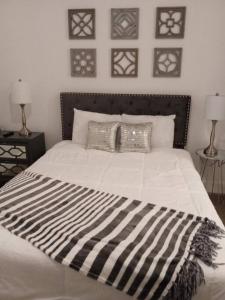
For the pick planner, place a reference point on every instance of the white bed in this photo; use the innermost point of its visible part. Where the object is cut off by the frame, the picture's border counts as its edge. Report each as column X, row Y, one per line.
column 27, row 273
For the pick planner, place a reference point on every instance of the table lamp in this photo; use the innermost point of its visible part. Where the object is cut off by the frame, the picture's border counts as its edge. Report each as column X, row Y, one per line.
column 21, row 95
column 215, row 111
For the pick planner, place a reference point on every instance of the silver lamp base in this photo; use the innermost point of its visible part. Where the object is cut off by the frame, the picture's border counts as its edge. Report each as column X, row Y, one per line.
column 211, row 151
column 24, row 130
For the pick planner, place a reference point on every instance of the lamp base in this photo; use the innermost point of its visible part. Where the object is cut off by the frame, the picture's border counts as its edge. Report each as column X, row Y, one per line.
column 210, row 151
column 24, row 132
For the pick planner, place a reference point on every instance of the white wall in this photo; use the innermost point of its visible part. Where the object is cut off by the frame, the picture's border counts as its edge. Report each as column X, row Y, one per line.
column 35, row 46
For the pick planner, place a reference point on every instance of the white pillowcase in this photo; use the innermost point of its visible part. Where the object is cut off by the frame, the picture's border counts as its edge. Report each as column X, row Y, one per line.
column 162, row 128
column 80, row 124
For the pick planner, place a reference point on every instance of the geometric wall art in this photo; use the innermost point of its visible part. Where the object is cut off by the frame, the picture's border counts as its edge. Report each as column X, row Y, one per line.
column 83, row 62
column 124, row 23
column 81, row 23
column 124, row 62
column 167, row 62
column 170, row 22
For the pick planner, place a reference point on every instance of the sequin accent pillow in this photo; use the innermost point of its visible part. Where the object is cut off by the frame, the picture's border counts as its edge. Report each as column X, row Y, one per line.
column 135, row 137
column 80, row 124
column 162, row 128
column 102, row 135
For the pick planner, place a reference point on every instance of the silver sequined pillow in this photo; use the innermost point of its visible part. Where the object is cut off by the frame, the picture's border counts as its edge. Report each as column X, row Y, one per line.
column 102, row 135
column 135, row 137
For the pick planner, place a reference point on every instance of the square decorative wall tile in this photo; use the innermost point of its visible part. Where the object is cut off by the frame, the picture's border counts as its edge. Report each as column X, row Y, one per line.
column 81, row 23
column 124, row 62
column 167, row 62
column 83, row 62
column 170, row 22
column 124, row 23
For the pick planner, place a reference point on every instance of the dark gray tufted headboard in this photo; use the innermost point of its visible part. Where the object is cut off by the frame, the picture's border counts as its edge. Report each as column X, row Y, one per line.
column 129, row 104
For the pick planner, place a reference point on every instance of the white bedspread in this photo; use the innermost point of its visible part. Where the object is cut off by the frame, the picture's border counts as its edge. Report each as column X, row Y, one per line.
column 165, row 177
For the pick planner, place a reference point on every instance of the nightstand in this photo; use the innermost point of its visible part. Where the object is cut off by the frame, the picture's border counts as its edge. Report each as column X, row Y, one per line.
column 212, row 173
column 19, row 152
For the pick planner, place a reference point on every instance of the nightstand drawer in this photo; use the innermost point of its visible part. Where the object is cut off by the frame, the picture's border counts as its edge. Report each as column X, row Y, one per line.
column 19, row 152
column 13, row 151
column 11, row 169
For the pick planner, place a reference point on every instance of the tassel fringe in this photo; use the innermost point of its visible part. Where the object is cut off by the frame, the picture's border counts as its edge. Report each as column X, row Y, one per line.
column 191, row 275
column 211, row 229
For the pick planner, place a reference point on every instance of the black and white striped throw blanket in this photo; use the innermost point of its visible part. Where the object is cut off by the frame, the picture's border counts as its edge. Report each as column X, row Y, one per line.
column 147, row 251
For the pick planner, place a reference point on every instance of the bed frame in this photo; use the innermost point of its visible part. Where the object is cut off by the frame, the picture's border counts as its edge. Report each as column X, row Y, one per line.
column 133, row 104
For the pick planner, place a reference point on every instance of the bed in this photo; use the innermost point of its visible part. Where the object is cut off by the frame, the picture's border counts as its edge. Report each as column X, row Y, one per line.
column 27, row 273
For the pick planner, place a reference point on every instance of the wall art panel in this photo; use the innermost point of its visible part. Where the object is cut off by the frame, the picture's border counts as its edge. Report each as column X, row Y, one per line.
column 83, row 62
column 124, row 62
column 81, row 23
column 124, row 23
column 167, row 62
column 170, row 22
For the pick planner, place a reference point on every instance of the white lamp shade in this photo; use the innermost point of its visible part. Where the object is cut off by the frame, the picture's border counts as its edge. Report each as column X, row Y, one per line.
column 21, row 93
column 215, row 107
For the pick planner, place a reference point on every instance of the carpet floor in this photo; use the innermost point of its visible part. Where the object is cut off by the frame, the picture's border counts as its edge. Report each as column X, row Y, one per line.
column 219, row 204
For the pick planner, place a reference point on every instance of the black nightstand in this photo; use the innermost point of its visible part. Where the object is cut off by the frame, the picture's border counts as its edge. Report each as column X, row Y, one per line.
column 19, row 152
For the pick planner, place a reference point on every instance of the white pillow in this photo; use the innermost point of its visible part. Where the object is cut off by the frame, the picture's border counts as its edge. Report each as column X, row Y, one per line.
column 80, row 124
column 162, row 128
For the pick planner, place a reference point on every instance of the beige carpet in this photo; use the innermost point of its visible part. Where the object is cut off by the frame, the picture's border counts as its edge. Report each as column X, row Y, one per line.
column 219, row 204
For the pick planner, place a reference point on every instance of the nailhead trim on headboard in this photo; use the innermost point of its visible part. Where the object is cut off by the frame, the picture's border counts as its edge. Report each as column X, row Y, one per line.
column 162, row 106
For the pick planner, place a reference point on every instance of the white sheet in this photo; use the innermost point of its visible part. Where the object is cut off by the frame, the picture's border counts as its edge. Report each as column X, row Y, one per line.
column 164, row 176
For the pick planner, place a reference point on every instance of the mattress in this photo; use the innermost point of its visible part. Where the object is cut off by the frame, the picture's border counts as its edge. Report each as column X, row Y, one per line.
column 166, row 177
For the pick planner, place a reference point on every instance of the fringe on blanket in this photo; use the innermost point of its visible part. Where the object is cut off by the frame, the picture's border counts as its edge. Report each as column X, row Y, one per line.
column 191, row 275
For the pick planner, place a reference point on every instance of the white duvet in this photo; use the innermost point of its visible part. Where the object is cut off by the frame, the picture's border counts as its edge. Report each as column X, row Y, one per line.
column 165, row 176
